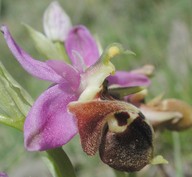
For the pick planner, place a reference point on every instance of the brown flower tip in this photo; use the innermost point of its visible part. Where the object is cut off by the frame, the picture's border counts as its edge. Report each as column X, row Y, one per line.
column 176, row 105
column 147, row 70
column 118, row 130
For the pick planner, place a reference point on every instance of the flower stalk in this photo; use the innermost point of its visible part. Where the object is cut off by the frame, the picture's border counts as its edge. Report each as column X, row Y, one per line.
column 120, row 173
column 177, row 155
column 62, row 166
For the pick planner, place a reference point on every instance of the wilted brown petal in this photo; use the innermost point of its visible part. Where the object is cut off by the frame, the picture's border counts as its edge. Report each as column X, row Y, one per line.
column 181, row 107
column 159, row 119
column 172, row 114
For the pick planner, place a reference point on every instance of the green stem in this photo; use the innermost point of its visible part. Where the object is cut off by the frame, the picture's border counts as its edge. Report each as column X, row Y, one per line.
column 119, row 173
column 177, row 154
column 132, row 175
column 60, row 163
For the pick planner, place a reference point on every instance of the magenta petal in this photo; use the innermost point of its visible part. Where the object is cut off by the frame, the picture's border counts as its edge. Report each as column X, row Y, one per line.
column 49, row 124
column 81, row 41
column 68, row 72
column 128, row 79
column 36, row 68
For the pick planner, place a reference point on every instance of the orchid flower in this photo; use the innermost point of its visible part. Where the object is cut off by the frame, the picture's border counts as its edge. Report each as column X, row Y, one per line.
column 89, row 97
column 49, row 124
column 79, row 100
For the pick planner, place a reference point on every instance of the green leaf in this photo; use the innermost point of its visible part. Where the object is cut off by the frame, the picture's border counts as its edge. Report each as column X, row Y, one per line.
column 15, row 102
column 52, row 50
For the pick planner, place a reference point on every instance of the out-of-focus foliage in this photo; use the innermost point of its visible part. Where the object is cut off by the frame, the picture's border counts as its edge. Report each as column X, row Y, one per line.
column 158, row 31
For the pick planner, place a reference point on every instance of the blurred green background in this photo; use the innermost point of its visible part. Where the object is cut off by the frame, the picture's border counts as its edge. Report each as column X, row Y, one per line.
column 158, row 31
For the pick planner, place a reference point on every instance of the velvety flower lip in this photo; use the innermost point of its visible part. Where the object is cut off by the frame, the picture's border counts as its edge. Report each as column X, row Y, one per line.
column 118, row 130
column 94, row 114
column 81, row 41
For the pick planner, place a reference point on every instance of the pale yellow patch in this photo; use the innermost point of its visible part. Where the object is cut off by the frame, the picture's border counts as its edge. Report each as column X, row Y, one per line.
column 113, row 51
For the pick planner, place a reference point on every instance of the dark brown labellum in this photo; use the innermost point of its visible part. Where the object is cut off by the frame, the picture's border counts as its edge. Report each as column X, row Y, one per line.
column 128, row 151
column 118, row 130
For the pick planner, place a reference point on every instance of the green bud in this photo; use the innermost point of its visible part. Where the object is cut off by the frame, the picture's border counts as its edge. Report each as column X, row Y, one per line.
column 52, row 50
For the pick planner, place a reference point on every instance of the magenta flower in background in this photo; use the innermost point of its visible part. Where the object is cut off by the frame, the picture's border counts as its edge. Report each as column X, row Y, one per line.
column 2, row 174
